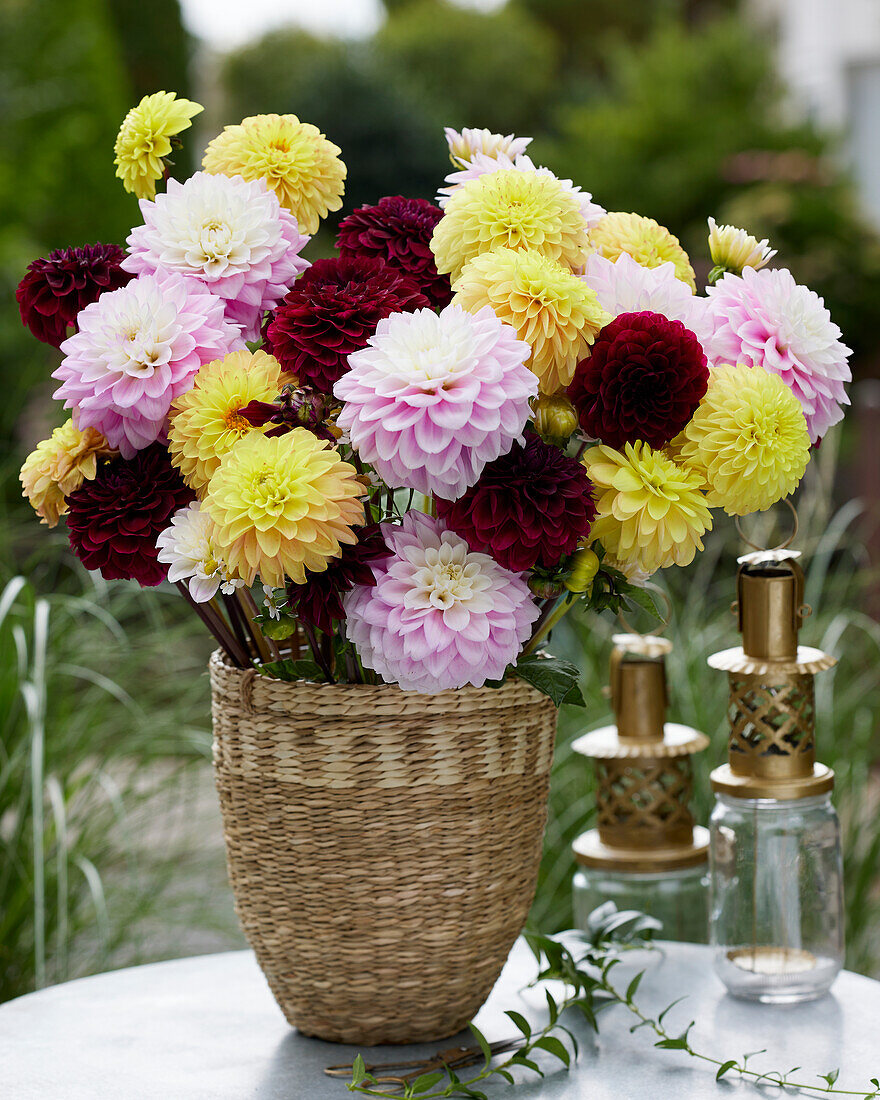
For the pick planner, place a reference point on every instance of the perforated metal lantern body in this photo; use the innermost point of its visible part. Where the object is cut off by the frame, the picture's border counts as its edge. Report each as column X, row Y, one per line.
column 776, row 875
column 646, row 852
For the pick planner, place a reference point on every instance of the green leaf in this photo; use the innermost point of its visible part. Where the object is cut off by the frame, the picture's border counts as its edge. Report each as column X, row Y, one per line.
column 555, row 1047
column 290, row 671
column 521, row 1022
column 589, row 1014
column 672, row 1044
column 506, row 1074
column 522, row 1059
column 633, row 986
column 552, row 1008
column 670, row 1007
column 426, row 1082
column 726, row 1068
column 830, row 1077
column 358, row 1070
column 481, row 1039
column 643, row 598
column 556, row 678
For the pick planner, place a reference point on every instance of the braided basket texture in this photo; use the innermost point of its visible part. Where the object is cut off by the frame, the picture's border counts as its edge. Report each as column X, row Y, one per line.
column 383, row 846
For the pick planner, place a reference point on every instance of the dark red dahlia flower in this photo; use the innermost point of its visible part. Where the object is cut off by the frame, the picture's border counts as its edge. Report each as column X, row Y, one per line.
column 643, row 380
column 398, row 230
column 530, row 507
column 56, row 287
column 318, row 602
column 114, row 520
column 331, row 311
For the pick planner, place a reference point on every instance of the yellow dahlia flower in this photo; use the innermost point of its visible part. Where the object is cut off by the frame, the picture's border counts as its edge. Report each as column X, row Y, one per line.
column 649, row 243
column 144, row 139
column 733, row 249
column 554, row 311
column 59, row 466
column 510, row 208
column 206, row 421
column 281, row 505
column 748, row 440
column 650, row 512
column 294, row 158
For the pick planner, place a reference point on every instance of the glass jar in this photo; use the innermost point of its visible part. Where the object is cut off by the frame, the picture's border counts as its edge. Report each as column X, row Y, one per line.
column 679, row 898
column 776, row 896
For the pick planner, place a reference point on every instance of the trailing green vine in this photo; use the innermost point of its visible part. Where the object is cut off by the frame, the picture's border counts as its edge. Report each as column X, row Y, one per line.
column 587, row 978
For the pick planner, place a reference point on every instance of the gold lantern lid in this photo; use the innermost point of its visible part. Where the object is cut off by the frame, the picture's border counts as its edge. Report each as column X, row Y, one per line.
column 771, row 748
column 644, row 772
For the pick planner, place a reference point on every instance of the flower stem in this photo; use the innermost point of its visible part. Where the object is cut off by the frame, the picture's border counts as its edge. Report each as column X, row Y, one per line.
column 549, row 617
column 317, row 654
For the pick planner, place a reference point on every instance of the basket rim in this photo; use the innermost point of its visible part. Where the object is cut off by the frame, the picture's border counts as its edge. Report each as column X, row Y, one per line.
column 516, row 686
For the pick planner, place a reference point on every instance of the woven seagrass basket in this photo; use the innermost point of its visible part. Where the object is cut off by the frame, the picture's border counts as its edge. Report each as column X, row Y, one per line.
column 383, row 846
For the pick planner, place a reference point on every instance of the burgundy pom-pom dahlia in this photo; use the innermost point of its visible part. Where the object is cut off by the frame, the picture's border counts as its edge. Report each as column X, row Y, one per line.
column 398, row 230
column 643, row 380
column 115, row 519
column 331, row 311
column 56, row 287
column 530, row 507
column 318, row 602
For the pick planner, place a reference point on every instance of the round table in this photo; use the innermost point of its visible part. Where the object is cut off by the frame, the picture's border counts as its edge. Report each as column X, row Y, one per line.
column 207, row 1028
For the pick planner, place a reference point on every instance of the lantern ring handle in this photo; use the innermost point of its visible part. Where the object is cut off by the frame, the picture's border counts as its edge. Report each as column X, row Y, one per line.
column 785, row 542
column 662, row 625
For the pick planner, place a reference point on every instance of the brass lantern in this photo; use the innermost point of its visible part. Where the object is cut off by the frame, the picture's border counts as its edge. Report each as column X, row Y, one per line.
column 646, row 852
column 776, row 895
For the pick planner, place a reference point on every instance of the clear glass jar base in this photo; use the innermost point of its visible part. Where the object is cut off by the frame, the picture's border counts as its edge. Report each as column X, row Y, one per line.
column 773, row 975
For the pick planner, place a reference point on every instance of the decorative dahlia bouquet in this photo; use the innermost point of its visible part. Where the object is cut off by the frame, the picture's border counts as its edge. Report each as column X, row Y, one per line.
column 406, row 462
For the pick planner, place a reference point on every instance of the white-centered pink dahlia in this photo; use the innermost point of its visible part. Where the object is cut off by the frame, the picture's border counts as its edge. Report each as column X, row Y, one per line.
column 434, row 397
column 765, row 319
column 624, row 286
column 188, row 547
column 137, row 349
column 482, row 163
column 439, row 615
column 465, row 144
column 229, row 233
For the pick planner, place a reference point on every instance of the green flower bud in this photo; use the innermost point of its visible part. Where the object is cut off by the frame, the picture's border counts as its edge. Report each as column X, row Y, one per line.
column 583, row 568
column 555, row 418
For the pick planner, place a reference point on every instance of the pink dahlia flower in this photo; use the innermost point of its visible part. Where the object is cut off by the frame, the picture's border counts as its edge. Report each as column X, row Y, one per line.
column 439, row 616
column 482, row 163
column 434, row 397
column 765, row 319
column 624, row 286
column 230, row 234
column 136, row 350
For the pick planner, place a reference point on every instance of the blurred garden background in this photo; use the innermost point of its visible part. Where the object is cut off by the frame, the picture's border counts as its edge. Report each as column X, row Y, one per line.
column 110, row 842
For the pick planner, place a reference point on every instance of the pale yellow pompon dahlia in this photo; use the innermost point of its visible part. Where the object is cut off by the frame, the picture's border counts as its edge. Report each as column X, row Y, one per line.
column 650, row 512
column 294, row 158
column 554, row 311
column 59, row 466
column 144, row 139
column 734, row 249
column 511, row 208
column 281, row 505
column 649, row 243
column 748, row 440
column 206, row 421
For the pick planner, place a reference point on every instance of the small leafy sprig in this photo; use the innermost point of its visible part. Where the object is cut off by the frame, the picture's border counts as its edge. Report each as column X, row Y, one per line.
column 587, row 978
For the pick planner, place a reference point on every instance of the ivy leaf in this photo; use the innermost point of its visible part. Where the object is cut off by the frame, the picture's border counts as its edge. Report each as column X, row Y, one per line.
column 555, row 1047
column 726, row 1068
column 290, row 671
column 553, row 676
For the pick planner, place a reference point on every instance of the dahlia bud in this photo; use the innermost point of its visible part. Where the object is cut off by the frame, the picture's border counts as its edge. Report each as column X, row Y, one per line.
column 584, row 566
column 545, row 588
column 733, row 249
column 297, row 407
column 555, row 418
